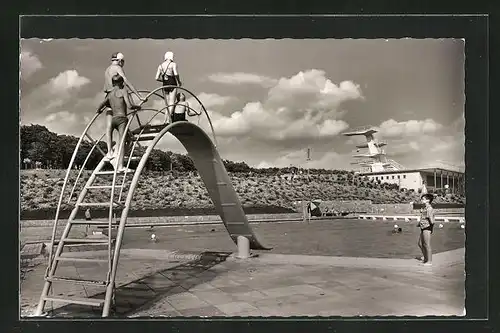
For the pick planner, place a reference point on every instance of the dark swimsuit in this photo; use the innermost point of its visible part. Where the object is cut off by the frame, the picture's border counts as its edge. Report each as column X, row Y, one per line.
column 424, row 221
column 168, row 80
column 178, row 117
column 118, row 120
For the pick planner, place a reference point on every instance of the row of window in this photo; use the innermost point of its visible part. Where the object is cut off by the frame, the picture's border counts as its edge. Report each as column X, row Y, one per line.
column 387, row 177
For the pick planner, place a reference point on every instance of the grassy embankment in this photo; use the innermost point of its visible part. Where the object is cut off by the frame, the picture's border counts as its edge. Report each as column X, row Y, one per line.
column 185, row 194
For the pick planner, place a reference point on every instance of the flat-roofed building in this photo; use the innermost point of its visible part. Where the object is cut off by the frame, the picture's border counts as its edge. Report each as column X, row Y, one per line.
column 424, row 180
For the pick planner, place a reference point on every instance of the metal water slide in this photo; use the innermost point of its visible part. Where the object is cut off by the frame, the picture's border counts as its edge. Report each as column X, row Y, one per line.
column 121, row 186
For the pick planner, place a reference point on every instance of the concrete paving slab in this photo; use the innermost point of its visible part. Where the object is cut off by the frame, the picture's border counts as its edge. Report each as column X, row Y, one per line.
column 186, row 300
column 235, row 308
column 272, row 285
column 214, row 297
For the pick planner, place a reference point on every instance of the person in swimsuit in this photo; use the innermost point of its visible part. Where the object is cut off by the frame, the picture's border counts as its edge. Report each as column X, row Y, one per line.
column 116, row 67
column 118, row 100
column 181, row 107
column 426, row 225
column 168, row 75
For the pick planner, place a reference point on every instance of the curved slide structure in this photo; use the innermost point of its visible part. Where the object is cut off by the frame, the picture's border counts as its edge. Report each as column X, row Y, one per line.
column 211, row 169
column 207, row 161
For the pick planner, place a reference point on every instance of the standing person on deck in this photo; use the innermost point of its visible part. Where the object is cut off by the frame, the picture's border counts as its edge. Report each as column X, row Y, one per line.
column 116, row 67
column 168, row 75
column 426, row 225
column 181, row 108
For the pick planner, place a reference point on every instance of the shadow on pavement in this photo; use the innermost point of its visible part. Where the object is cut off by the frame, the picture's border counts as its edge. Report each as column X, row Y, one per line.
column 143, row 293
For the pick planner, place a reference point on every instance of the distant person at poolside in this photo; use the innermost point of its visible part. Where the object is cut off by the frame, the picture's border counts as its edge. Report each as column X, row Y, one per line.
column 116, row 67
column 426, row 225
column 119, row 101
column 181, row 108
column 168, row 75
column 88, row 217
column 397, row 230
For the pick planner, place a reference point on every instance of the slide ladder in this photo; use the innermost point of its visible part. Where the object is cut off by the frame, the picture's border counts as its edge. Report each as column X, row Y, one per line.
column 119, row 187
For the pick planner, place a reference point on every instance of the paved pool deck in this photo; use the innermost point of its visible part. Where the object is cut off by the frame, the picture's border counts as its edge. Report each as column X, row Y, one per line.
column 163, row 283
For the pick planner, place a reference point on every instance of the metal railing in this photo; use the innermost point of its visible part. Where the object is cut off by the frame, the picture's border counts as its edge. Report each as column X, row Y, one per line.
column 95, row 145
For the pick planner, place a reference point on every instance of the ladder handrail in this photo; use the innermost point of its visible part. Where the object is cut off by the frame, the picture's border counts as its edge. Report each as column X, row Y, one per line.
column 83, row 165
column 153, row 92
column 52, row 261
column 121, row 147
column 135, row 143
column 68, row 171
column 143, row 126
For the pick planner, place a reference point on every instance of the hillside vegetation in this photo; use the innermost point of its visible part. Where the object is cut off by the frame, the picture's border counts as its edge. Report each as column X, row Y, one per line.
column 157, row 190
column 160, row 187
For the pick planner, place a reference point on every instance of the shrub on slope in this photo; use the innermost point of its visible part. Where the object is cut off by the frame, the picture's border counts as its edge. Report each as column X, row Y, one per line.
column 156, row 190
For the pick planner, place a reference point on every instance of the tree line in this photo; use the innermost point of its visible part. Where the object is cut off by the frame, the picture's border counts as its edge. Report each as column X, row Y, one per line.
column 43, row 148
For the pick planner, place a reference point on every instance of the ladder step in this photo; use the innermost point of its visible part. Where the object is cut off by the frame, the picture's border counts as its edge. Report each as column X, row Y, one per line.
column 93, row 222
column 133, row 158
column 99, row 204
column 228, row 204
column 102, row 187
column 111, row 172
column 75, row 300
column 76, row 242
column 148, row 129
column 221, row 183
column 65, row 258
column 144, row 138
column 84, row 240
column 76, row 281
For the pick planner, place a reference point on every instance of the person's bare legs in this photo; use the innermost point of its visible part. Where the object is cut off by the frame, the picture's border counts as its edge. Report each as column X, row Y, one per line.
column 421, row 247
column 426, row 243
column 166, row 97
column 121, row 134
column 109, row 135
column 170, row 103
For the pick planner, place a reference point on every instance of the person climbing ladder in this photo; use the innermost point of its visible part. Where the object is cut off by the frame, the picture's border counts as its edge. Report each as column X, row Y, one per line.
column 119, row 101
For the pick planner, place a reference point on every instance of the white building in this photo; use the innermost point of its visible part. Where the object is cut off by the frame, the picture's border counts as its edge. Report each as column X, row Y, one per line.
column 424, row 180
column 375, row 165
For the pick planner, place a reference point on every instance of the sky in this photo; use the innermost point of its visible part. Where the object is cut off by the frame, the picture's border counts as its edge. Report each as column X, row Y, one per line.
column 269, row 100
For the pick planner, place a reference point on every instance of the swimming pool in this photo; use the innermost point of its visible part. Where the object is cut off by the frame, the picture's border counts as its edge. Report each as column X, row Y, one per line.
column 336, row 237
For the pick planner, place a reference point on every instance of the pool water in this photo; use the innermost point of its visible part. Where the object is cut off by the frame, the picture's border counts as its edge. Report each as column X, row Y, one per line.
column 336, row 237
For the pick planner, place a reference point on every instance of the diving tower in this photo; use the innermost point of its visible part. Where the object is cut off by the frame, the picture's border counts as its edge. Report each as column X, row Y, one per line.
column 119, row 187
column 375, row 159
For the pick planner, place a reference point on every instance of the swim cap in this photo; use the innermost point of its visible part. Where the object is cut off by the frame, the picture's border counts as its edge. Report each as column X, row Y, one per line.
column 169, row 56
column 117, row 56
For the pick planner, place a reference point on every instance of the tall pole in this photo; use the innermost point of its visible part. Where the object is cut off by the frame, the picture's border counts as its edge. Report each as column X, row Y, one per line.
column 435, row 181
column 308, row 158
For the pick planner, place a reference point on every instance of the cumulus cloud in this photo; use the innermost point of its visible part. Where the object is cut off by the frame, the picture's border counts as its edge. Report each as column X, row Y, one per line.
column 66, row 81
column 313, row 88
column 55, row 92
column 61, row 116
column 65, row 122
column 212, row 100
column 242, row 78
column 45, row 102
column 30, row 64
column 326, row 160
column 425, row 143
column 303, row 106
column 392, row 128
